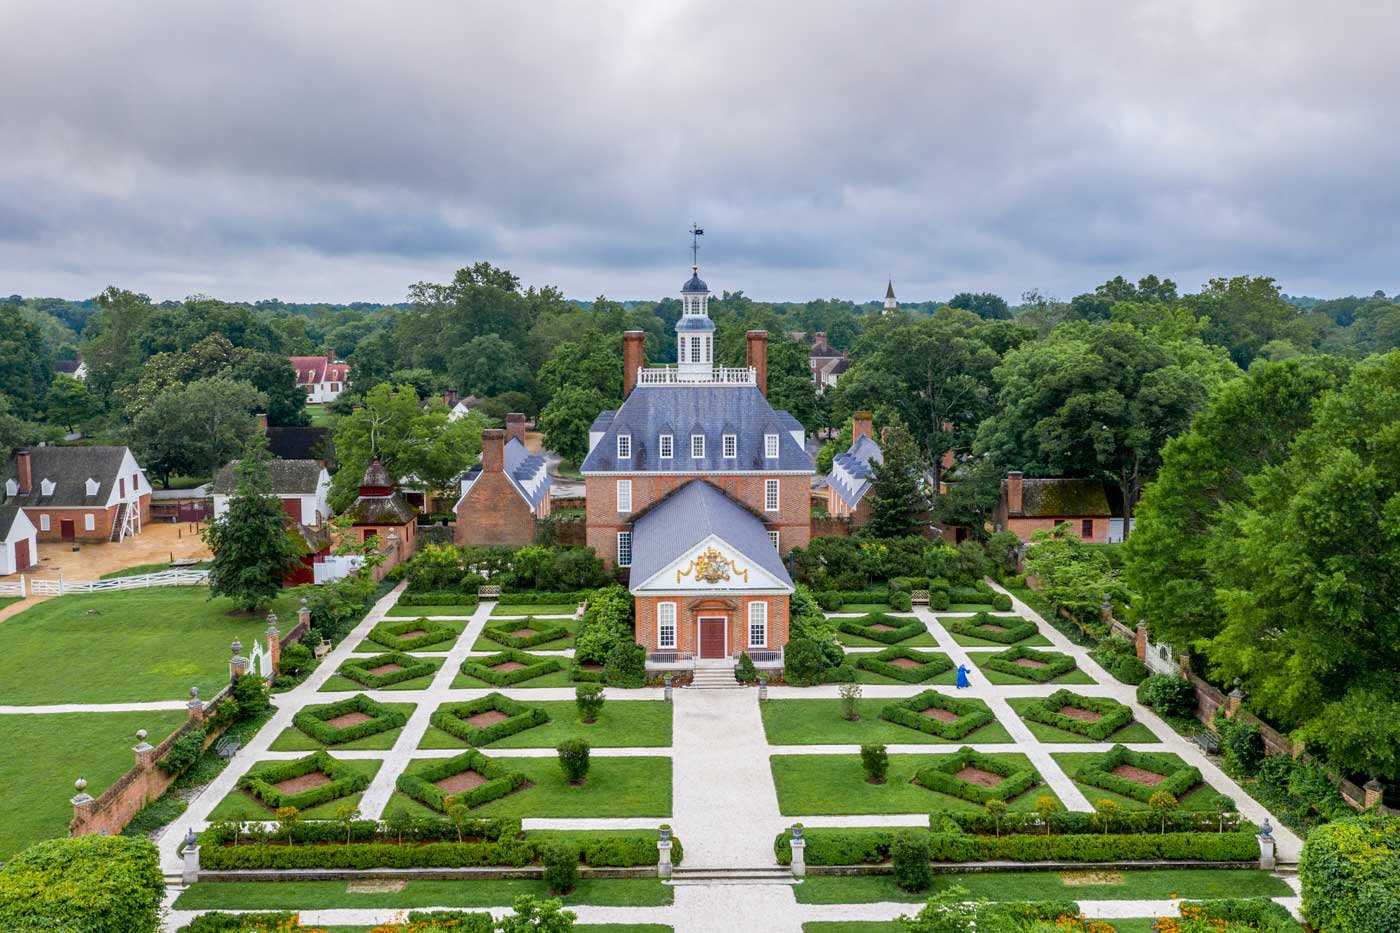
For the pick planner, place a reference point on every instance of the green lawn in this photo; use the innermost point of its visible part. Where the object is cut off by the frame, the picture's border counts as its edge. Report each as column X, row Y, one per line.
column 865, row 608
column 6, row 600
column 373, row 647
column 980, row 659
column 240, row 805
column 1089, row 885
column 1198, row 798
column 320, row 415
column 397, row 612
column 555, row 679
column 46, row 753
column 622, row 724
column 830, row 785
column 324, row 895
column 845, row 926
column 484, row 642
column 617, row 787
column 338, row 683
column 819, row 722
column 1132, row 732
column 294, row 740
column 921, row 640
column 556, row 609
column 139, row 645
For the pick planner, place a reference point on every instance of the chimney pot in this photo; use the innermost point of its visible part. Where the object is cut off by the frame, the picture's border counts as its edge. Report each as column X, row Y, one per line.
column 515, row 426
column 633, row 358
column 862, row 425
column 1013, row 491
column 493, row 450
column 25, row 469
column 758, row 357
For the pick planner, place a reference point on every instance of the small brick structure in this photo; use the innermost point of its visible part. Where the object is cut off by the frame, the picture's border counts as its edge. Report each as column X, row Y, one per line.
column 502, row 501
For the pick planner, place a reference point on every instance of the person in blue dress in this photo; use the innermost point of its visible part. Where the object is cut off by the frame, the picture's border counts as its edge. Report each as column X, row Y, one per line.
column 962, row 677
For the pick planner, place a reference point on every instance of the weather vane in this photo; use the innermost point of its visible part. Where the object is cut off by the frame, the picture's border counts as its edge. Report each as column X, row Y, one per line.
column 695, row 234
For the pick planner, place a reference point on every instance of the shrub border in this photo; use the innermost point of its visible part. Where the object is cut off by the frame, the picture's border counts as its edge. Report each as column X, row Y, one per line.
column 1046, row 711
column 861, row 627
column 434, row 633
column 1020, row 630
column 941, row 777
column 879, row 663
column 311, row 720
column 972, row 714
column 481, row 667
column 1057, row 665
column 358, row 669
column 344, row 782
column 500, row 780
column 449, row 718
column 1179, row 779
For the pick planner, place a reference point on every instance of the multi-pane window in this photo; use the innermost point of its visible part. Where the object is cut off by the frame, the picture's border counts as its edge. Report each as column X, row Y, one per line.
column 697, row 446
column 770, row 446
column 624, row 447
column 770, row 495
column 43, row 523
column 758, row 624
column 665, row 625
column 697, row 350
column 1086, row 529
column 773, row 536
column 624, row 495
column 667, row 446
column 731, row 446
column 624, row 549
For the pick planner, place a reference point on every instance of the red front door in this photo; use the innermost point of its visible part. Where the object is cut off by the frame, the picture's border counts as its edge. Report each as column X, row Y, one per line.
column 21, row 554
column 712, row 638
column 67, row 531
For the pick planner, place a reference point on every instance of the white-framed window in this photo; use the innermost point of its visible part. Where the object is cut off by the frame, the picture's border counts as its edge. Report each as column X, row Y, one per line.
column 731, row 446
column 624, row 549
column 770, row 495
column 697, row 350
column 758, row 624
column 43, row 523
column 624, row 495
column 624, row 447
column 89, row 522
column 667, row 447
column 666, row 625
column 773, row 536
column 697, row 446
column 770, row 446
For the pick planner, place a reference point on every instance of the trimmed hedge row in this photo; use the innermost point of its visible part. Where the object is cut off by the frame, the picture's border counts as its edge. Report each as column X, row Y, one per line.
column 1180, row 777
column 972, row 714
column 1017, row 628
column 437, row 598
column 1076, row 822
column 451, row 718
column 1017, row 778
column 312, row 720
column 580, row 676
column 500, row 780
column 1056, row 665
column 509, row 852
column 833, row 600
column 879, row 663
column 483, row 668
column 901, row 629
column 361, row 669
column 546, row 630
column 226, row 833
column 344, row 781
column 390, row 634
column 460, row 921
column 1114, row 715
column 544, row 599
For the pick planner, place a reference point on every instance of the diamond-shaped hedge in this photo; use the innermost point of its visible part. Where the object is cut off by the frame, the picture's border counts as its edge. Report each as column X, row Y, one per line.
column 481, row 780
column 316, row 721
column 918, row 666
column 537, row 632
column 381, row 670
column 487, row 719
column 970, row 775
column 413, row 635
column 939, row 714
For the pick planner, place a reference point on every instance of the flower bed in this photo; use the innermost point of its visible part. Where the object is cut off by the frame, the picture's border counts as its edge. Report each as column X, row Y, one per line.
column 1111, row 714
column 882, row 663
column 485, row 668
column 1016, row 778
column 1011, row 629
column 343, row 782
column 391, row 634
column 452, row 718
column 1056, row 665
column 544, row 631
column 500, row 780
column 315, row 720
column 362, row 669
column 892, row 630
column 971, row 715
column 1178, row 777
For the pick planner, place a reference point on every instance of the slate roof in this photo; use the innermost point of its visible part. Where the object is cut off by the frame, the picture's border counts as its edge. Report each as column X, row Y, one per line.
column 689, row 322
column 711, row 410
column 289, row 478
column 8, row 514
column 604, row 419
column 299, row 443
column 673, row 525
column 1061, row 498
column 527, row 472
column 69, row 469
column 851, row 474
column 695, row 284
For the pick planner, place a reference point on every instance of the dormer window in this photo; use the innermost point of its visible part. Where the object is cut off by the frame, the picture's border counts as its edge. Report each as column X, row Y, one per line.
column 92, row 487
column 666, row 448
column 46, row 487
column 624, row 447
column 731, row 446
column 697, row 446
column 770, row 446
column 11, row 488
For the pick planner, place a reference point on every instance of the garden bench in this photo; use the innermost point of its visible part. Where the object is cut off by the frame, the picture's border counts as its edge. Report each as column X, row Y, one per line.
column 919, row 597
column 227, row 746
column 322, row 649
column 488, row 592
column 1207, row 740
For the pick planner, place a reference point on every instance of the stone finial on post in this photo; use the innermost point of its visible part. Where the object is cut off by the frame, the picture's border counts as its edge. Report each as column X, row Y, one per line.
column 1106, row 609
column 1234, row 699
column 663, row 853
column 1375, row 793
column 190, row 852
column 1266, row 846
column 667, row 679
column 799, row 852
column 143, row 750
column 237, row 665
column 82, row 808
column 195, row 704
column 304, row 617
column 762, row 688
column 274, row 645
column 1140, row 641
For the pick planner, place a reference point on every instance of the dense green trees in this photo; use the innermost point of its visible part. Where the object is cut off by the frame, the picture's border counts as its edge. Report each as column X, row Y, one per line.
column 252, row 542
column 898, row 506
column 194, row 429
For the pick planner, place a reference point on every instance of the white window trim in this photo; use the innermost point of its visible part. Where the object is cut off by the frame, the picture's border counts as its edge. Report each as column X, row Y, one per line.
column 666, row 449
column 776, row 537
column 624, row 495
column 731, row 446
column 772, row 493
column 89, row 522
column 44, row 522
column 624, row 447
column 697, row 447
column 758, row 615
column 771, row 446
column 661, row 643
column 624, row 536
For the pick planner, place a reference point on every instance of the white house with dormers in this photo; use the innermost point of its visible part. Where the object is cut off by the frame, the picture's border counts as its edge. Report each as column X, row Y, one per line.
column 303, row 486
column 79, row 493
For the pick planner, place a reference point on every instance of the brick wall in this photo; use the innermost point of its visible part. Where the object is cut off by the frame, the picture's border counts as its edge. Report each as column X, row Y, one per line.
column 734, row 609
column 1025, row 527
column 832, row 527
column 493, row 513
column 102, row 523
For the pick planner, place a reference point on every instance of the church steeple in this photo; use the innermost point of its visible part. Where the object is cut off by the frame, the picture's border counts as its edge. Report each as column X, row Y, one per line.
column 891, row 303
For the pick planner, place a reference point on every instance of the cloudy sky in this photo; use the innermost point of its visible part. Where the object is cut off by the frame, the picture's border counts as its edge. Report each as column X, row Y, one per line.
column 342, row 150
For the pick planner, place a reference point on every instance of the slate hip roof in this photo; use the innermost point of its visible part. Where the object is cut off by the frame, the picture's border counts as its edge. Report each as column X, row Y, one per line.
column 527, row 472
column 69, row 469
column 851, row 474
column 289, row 478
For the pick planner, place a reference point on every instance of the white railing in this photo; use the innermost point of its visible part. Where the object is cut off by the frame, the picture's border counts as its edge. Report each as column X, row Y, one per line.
column 336, row 568
column 163, row 578
column 719, row 375
column 15, row 588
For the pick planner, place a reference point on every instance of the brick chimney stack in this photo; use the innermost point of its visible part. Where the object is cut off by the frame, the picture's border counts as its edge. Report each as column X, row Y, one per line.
column 1013, row 491
column 515, row 427
column 493, row 450
column 758, row 357
column 262, row 423
column 862, row 425
column 26, row 472
column 634, row 357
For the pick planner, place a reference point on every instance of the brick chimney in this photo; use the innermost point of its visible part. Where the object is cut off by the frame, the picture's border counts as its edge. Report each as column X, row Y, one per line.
column 515, row 427
column 493, row 450
column 862, row 425
column 634, row 357
column 26, row 472
column 758, row 357
column 262, row 423
column 1013, row 491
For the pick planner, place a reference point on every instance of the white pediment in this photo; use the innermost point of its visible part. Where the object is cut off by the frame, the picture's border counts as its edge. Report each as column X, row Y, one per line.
column 712, row 566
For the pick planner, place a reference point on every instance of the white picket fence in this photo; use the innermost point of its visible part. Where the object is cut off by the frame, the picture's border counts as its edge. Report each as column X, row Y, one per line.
column 336, row 568
column 61, row 586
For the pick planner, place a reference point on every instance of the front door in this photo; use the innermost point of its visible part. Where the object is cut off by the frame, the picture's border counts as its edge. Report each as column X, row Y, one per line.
column 21, row 554
column 67, row 531
column 713, row 637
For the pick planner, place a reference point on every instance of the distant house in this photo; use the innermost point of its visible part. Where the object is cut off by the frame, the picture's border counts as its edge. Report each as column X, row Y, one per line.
column 79, row 493
column 75, row 368
column 303, row 486
column 19, row 541
column 382, row 512
column 461, row 407
column 1030, row 505
column 323, row 378
column 826, row 362
column 504, row 494
column 851, row 473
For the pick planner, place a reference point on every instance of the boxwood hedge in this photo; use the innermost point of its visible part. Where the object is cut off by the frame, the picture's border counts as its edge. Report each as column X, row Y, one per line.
column 314, row 720
column 500, row 780
column 544, row 599
column 879, row 663
column 438, row 598
column 1350, row 870
column 1113, row 715
column 87, row 884
column 1017, row 777
column 361, row 669
column 1056, row 664
column 391, row 634
column 344, row 781
column 545, row 631
column 1180, row 777
column 972, row 714
column 900, row 629
column 1016, row 628
column 451, row 718
column 484, row 668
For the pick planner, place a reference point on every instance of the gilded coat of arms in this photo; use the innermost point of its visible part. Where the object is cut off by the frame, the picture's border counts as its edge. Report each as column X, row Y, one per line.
column 712, row 567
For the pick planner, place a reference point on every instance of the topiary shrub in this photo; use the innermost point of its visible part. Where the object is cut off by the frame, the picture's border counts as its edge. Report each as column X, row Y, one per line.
column 804, row 662
column 745, row 673
column 295, row 658
column 938, row 600
column 1241, row 744
column 87, row 884
column 452, row 718
column 184, row 751
column 626, row 666
column 1119, row 657
column 1168, row 695
column 1350, row 872
column 589, row 699
column 876, row 762
column 251, row 693
column 910, row 854
column 574, row 759
column 900, row 601
column 831, row 600
column 560, row 861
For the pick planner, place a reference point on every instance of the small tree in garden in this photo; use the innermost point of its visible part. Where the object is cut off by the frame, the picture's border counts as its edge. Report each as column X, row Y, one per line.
column 398, row 823
column 850, row 699
column 252, row 547
column 1107, row 811
column 876, row 762
column 574, row 759
column 532, row 916
column 287, row 818
column 560, row 860
column 910, row 854
column 1047, row 807
column 346, row 814
column 1163, row 803
column 459, row 814
column 898, row 506
column 996, row 809
column 589, row 699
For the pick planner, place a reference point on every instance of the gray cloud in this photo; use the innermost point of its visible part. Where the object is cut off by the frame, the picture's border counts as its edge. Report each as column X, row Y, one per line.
column 343, row 150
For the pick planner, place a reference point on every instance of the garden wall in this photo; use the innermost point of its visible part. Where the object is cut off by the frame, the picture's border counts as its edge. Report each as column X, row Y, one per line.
column 831, row 527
